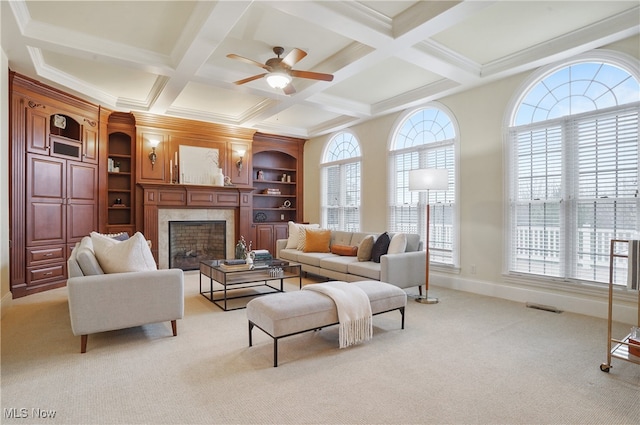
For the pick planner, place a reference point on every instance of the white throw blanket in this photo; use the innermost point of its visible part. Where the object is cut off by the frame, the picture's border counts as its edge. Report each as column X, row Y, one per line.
column 354, row 310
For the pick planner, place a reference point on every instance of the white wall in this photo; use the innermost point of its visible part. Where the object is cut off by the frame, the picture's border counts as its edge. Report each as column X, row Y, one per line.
column 480, row 114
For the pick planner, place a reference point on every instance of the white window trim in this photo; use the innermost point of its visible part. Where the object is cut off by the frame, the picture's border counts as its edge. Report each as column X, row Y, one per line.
column 622, row 60
column 455, row 267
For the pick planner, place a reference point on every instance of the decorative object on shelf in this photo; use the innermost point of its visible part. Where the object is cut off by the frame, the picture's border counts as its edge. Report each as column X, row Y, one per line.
column 260, row 175
column 60, row 121
column 218, row 179
column 424, row 180
column 239, row 161
column 227, row 181
column 286, row 204
column 152, row 155
column 116, row 167
column 288, row 178
column 283, row 178
column 118, row 201
column 260, row 217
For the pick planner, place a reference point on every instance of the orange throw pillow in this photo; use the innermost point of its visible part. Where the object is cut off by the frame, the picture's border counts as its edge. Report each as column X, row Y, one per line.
column 346, row 250
column 317, row 240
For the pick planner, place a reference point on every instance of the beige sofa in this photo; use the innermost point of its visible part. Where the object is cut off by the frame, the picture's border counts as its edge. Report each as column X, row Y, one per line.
column 404, row 270
column 100, row 302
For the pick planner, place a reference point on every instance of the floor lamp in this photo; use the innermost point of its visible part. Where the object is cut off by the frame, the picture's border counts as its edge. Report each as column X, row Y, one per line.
column 425, row 180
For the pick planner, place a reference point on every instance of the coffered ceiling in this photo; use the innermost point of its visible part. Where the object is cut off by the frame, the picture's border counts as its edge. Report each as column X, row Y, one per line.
column 170, row 57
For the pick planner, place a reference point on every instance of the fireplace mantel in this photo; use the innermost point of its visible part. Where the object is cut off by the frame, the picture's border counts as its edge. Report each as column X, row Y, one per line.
column 157, row 196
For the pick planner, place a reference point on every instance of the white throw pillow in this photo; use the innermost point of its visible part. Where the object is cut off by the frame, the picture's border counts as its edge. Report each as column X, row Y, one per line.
column 398, row 244
column 132, row 255
column 294, row 234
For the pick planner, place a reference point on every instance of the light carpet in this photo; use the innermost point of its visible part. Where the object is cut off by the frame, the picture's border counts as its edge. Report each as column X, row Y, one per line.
column 469, row 359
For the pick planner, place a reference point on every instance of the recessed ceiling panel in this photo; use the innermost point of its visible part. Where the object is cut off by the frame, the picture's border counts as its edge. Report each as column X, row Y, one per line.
column 390, row 9
column 152, row 25
column 116, row 81
column 507, row 27
column 301, row 117
column 388, row 78
column 215, row 100
column 262, row 28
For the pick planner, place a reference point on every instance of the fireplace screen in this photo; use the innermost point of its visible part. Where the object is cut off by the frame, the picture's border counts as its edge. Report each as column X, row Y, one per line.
column 193, row 241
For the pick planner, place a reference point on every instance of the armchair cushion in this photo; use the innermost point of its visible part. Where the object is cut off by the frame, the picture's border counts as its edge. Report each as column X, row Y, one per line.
column 131, row 255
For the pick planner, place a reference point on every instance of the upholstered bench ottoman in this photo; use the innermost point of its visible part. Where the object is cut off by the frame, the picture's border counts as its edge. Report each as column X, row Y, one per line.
column 291, row 313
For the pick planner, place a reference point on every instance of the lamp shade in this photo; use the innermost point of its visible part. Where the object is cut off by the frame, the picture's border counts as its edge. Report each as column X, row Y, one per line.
column 278, row 80
column 429, row 179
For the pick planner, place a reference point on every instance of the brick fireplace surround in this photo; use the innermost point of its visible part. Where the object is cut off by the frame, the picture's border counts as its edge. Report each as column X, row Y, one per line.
column 169, row 202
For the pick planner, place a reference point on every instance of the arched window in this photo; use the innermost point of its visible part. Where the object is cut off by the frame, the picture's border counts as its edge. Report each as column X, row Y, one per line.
column 573, row 153
column 341, row 183
column 425, row 138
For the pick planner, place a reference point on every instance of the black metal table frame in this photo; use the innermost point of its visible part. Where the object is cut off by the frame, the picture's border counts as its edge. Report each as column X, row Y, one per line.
column 250, row 282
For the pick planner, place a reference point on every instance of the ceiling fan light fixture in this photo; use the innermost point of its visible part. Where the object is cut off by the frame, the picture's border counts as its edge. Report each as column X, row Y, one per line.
column 278, row 80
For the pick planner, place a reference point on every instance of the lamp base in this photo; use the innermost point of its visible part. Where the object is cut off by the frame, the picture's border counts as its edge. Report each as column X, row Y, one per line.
column 426, row 299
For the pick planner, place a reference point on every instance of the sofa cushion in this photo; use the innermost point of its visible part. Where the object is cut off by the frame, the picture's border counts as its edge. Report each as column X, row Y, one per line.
column 413, row 242
column 365, row 248
column 289, row 254
column 340, row 237
column 337, row 263
column 294, row 233
column 317, row 240
column 132, row 255
column 86, row 258
column 398, row 244
column 312, row 258
column 367, row 269
column 380, row 247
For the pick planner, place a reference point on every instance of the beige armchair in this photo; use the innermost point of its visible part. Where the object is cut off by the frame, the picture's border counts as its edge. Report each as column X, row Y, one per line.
column 100, row 302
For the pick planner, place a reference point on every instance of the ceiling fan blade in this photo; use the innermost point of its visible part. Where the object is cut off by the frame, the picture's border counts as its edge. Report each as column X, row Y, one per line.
column 294, row 57
column 246, row 80
column 311, row 75
column 289, row 89
column 245, row 60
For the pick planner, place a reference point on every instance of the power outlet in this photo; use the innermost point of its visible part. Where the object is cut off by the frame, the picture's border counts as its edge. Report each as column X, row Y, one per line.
column 473, row 269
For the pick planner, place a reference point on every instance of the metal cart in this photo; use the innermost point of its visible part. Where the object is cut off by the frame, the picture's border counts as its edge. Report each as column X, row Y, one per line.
column 618, row 348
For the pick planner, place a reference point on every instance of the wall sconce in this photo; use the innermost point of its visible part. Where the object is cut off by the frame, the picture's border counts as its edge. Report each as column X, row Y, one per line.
column 152, row 155
column 239, row 161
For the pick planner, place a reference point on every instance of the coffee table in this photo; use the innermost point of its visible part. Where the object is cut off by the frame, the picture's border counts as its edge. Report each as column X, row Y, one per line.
column 235, row 280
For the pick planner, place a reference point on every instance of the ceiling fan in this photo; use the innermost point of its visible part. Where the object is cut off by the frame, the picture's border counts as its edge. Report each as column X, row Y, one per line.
column 279, row 73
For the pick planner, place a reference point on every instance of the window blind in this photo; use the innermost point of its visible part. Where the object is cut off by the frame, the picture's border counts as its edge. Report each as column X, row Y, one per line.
column 574, row 187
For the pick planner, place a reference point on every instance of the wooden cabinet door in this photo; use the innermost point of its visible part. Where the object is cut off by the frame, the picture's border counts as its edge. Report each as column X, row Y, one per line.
column 46, row 193
column 89, row 144
column 82, row 200
column 264, row 237
column 281, row 231
column 37, row 133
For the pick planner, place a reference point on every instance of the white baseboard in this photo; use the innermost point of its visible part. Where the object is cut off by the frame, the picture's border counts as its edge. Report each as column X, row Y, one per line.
column 5, row 303
column 594, row 304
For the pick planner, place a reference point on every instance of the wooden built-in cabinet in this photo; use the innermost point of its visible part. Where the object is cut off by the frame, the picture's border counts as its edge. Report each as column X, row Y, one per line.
column 63, row 183
column 54, row 182
column 120, row 170
column 277, row 180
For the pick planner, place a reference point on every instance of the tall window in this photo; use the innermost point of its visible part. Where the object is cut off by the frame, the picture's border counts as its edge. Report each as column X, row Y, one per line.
column 573, row 144
column 341, row 183
column 425, row 138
